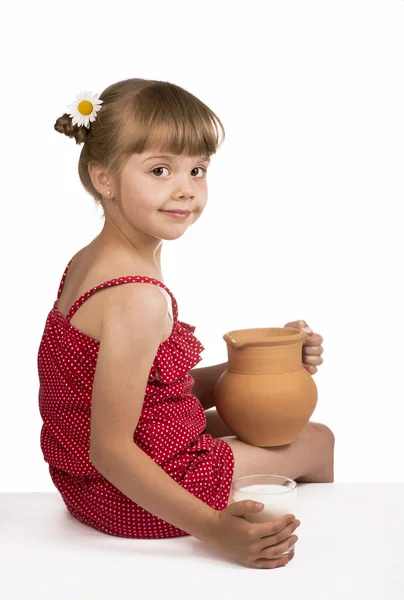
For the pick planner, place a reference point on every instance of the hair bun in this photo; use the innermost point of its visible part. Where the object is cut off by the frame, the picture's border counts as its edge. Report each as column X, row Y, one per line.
column 65, row 125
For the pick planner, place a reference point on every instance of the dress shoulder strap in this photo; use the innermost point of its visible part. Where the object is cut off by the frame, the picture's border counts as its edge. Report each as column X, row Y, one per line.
column 62, row 282
column 116, row 281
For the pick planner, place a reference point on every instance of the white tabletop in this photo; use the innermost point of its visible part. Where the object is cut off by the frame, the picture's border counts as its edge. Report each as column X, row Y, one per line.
column 350, row 546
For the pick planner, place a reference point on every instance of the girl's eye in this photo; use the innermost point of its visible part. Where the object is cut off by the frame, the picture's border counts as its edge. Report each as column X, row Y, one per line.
column 159, row 169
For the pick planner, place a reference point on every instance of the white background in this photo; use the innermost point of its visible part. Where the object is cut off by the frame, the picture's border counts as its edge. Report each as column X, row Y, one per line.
column 304, row 216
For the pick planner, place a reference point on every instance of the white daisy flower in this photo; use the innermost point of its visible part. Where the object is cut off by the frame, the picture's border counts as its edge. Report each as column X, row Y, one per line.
column 84, row 109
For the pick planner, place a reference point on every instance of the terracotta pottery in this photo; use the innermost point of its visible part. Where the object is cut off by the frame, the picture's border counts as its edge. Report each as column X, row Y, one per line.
column 265, row 396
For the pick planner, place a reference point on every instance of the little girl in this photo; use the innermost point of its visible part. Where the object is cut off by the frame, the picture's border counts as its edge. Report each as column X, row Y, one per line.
column 124, row 435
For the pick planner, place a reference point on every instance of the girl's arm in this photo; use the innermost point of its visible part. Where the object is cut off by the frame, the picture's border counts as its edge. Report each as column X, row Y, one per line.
column 205, row 381
column 132, row 329
column 137, row 476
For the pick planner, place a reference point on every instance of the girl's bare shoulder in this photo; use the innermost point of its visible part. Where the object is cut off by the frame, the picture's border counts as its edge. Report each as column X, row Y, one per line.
column 91, row 266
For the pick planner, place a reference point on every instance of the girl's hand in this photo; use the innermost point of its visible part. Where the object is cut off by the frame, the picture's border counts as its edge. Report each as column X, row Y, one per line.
column 312, row 348
column 256, row 545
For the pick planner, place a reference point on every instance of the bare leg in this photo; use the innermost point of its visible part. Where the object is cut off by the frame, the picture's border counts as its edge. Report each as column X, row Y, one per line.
column 310, row 459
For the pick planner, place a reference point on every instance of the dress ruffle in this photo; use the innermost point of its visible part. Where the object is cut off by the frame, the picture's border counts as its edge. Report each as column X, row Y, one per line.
column 176, row 355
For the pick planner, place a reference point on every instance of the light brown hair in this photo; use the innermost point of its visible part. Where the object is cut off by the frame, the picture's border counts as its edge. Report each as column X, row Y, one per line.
column 136, row 116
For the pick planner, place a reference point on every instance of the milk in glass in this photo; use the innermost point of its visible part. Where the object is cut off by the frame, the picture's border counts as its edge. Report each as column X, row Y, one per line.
column 277, row 499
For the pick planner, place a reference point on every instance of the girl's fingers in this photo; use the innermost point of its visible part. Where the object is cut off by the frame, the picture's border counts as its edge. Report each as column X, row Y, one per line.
column 267, row 553
column 312, row 360
column 313, row 350
column 271, row 563
column 313, row 340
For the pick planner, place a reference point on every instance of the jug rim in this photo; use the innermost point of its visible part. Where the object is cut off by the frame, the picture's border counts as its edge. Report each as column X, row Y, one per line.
column 264, row 336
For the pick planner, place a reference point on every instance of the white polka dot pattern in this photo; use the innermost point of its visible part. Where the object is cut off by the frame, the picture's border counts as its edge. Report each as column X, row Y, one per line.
column 170, row 428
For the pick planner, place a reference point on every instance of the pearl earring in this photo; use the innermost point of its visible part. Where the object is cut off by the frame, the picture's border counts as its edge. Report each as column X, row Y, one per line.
column 108, row 192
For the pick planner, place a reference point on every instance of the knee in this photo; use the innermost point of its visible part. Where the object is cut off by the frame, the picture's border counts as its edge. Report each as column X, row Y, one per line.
column 327, row 435
column 326, row 452
column 331, row 447
column 330, row 435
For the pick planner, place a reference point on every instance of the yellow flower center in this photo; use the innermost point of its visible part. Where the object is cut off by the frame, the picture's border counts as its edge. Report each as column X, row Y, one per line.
column 85, row 107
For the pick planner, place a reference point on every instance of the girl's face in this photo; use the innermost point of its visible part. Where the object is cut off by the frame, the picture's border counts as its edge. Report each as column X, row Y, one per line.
column 151, row 184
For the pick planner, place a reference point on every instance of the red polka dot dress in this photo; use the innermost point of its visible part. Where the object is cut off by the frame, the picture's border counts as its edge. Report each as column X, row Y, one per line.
column 171, row 427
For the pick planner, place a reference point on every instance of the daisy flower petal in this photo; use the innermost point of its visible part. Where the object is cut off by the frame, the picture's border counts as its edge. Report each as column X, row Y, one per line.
column 92, row 105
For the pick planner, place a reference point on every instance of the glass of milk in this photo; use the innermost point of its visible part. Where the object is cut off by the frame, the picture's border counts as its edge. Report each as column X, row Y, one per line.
column 278, row 494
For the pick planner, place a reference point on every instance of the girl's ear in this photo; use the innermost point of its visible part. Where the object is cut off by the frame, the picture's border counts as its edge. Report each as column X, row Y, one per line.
column 99, row 178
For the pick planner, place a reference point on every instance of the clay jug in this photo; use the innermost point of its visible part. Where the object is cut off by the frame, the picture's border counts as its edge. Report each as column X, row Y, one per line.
column 265, row 396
